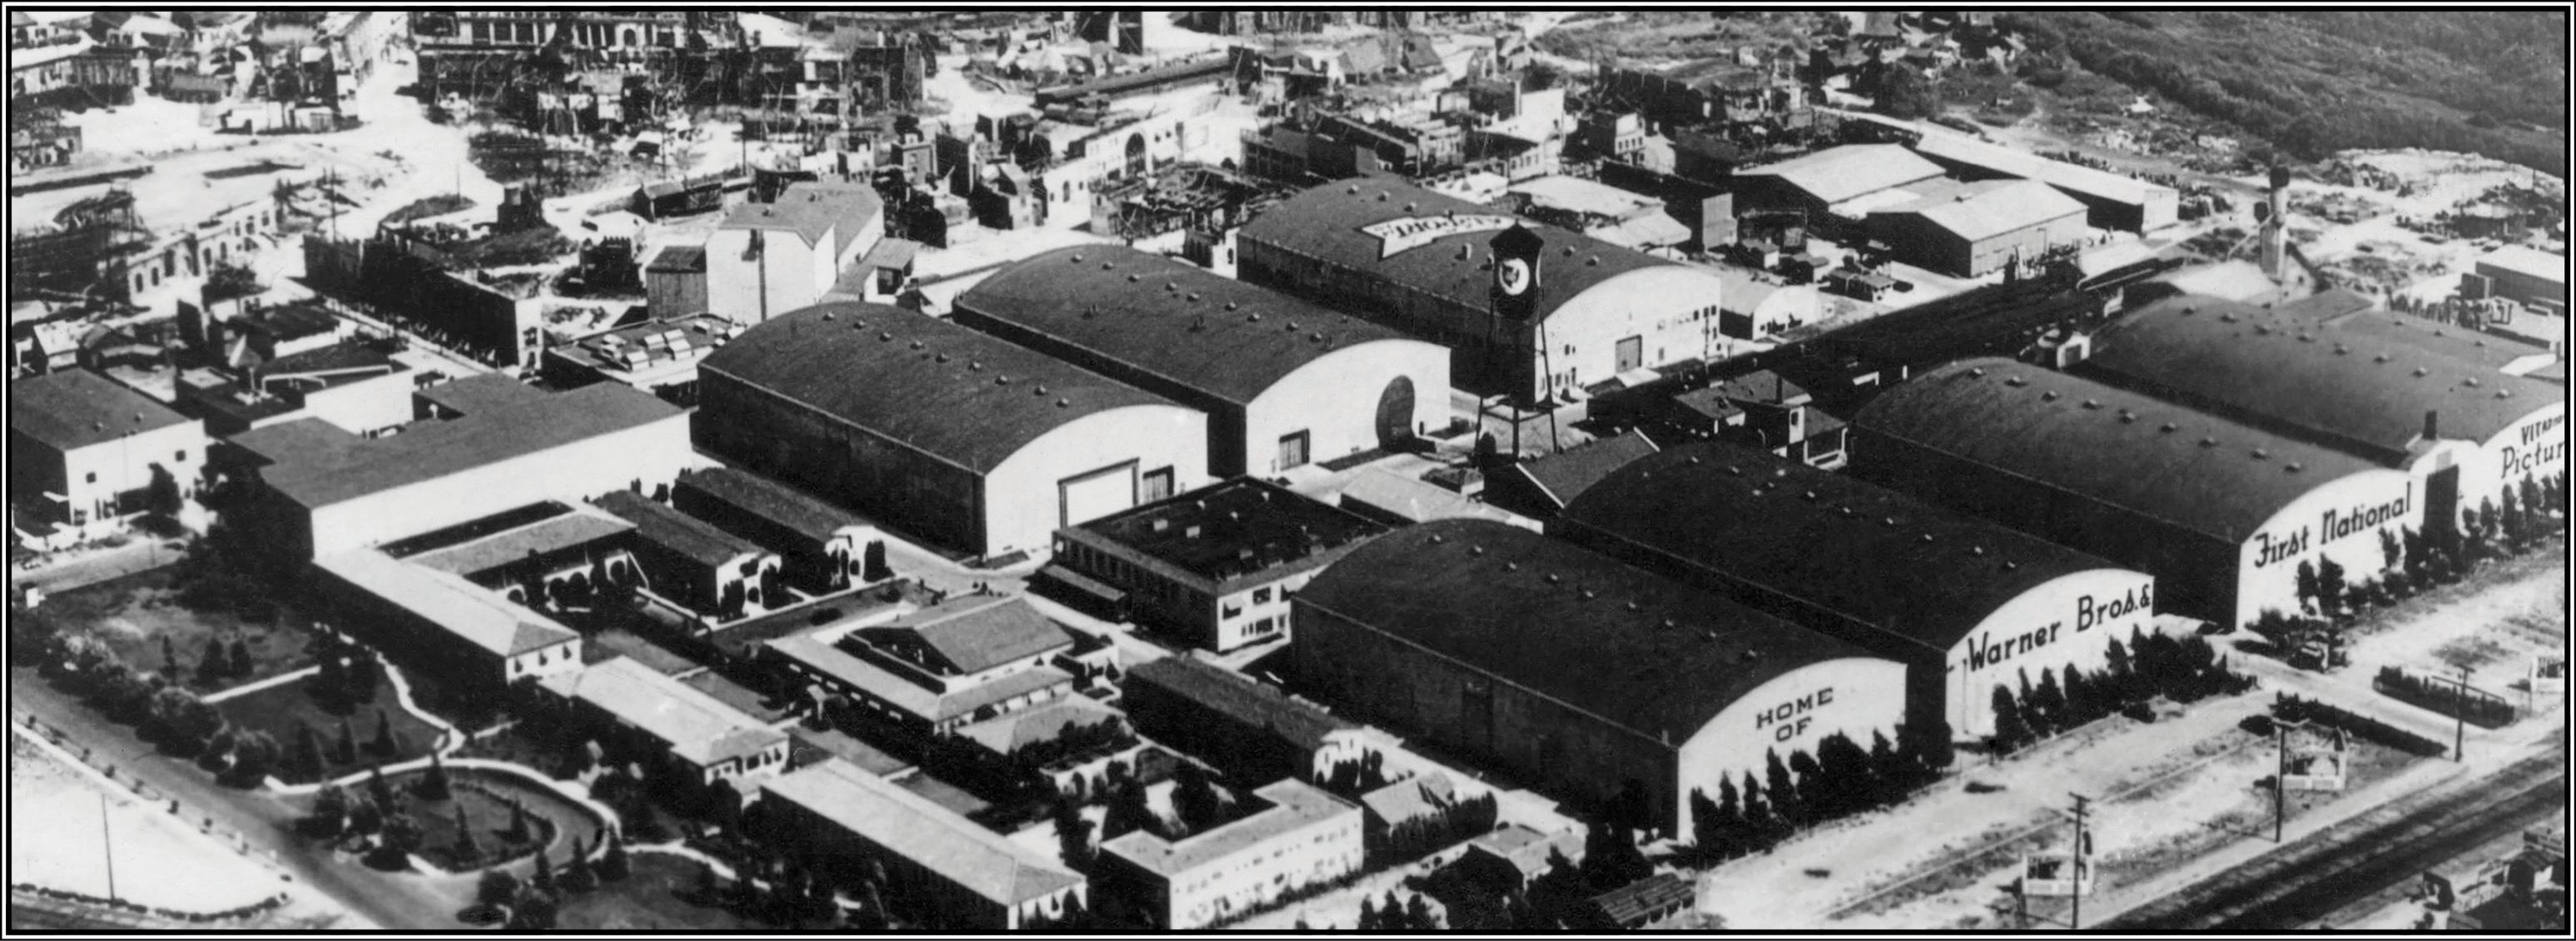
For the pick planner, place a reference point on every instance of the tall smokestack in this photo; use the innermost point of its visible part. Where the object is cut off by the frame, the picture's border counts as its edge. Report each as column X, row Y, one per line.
column 2275, row 234
column 2432, row 425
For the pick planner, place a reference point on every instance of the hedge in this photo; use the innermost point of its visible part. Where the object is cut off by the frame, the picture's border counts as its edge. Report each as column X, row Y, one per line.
column 2290, row 708
column 2445, row 698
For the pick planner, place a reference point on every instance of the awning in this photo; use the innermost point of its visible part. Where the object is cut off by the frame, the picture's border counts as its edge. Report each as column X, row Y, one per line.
column 1084, row 584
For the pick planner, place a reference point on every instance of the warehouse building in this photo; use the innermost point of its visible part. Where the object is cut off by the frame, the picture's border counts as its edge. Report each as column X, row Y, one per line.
column 460, row 630
column 1303, row 837
column 1823, row 182
column 948, row 872
column 704, row 740
column 1250, row 731
column 1557, row 313
column 324, row 491
column 1967, row 230
column 1215, row 565
column 691, row 561
column 766, row 259
column 2465, row 432
column 1284, row 383
column 2529, row 275
column 2222, row 514
column 1964, row 603
column 2111, row 201
column 1456, row 632
column 83, row 450
column 952, row 435
column 821, row 546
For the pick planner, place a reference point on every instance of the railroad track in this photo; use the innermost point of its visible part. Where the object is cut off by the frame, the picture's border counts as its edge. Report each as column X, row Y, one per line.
column 2315, row 876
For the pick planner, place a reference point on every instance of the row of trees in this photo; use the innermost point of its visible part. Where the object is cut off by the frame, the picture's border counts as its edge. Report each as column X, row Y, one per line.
column 308, row 762
column 2185, row 669
column 536, row 904
column 1410, row 914
column 1840, row 780
column 2448, row 698
column 162, row 712
column 1445, row 826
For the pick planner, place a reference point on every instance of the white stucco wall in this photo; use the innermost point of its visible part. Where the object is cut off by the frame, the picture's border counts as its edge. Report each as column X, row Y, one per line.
column 654, row 453
column 1021, row 503
column 2303, row 531
column 1661, row 305
column 1793, row 712
column 2070, row 619
column 1334, row 400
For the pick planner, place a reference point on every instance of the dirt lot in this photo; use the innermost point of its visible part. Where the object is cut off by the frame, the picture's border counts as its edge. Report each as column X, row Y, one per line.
column 55, row 842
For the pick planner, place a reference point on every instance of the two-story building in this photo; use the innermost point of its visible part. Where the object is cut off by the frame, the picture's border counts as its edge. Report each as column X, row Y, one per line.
column 84, row 449
column 938, row 669
column 1215, row 565
column 766, row 259
column 703, row 740
column 1304, row 837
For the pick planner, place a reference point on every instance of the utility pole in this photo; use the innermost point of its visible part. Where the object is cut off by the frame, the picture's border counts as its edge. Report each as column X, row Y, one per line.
column 107, row 844
column 2075, row 921
column 2460, row 718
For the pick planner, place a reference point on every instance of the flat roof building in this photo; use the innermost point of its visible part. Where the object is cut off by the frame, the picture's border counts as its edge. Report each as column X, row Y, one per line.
column 2528, row 275
column 1284, row 382
column 708, row 740
column 2465, row 431
column 84, row 449
column 661, row 356
column 1456, row 632
column 948, row 872
column 324, row 491
column 352, row 385
column 1424, row 263
column 1216, row 564
column 1965, row 603
column 2221, row 513
column 1305, row 837
column 956, row 436
column 2111, row 200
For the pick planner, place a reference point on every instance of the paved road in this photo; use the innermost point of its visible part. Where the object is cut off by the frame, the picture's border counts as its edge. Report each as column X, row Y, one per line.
column 396, row 901
column 143, row 553
column 2328, row 870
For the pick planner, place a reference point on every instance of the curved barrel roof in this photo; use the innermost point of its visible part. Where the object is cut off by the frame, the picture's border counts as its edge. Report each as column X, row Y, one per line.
column 947, row 391
column 1908, row 568
column 1650, row 654
column 1171, row 319
column 2185, row 467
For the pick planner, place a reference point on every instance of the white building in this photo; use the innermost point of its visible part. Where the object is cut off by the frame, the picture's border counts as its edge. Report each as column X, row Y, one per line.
column 766, row 259
column 710, row 740
column 1304, row 837
column 83, row 450
column 959, row 437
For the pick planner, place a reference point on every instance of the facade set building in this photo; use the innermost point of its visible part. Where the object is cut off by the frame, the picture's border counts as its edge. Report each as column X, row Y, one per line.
column 2222, row 514
column 956, row 436
column 1455, row 632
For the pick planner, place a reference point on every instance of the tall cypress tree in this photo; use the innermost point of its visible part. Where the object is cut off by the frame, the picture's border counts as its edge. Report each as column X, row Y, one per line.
column 1730, row 818
column 1892, row 774
column 2051, row 701
column 1782, row 789
column 2009, row 734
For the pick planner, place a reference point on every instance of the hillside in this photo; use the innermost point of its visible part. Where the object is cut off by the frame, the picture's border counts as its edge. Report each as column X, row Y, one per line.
column 2311, row 83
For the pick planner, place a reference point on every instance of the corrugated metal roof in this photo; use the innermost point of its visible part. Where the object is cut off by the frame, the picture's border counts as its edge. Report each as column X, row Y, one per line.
column 694, row 725
column 1983, row 210
column 76, row 408
column 1844, row 172
column 2342, row 387
column 1650, row 654
column 2126, row 450
column 910, row 826
column 960, row 396
column 1325, row 222
column 1744, row 516
column 1169, row 319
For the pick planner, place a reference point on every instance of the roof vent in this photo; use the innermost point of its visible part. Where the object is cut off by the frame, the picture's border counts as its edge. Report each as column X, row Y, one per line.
column 1669, row 624
column 2016, row 381
column 1634, row 606
column 1192, row 532
column 2261, row 454
column 1589, row 594
column 1751, row 655
column 941, row 357
column 916, row 344
column 2227, row 318
column 1353, row 191
column 1694, row 459
column 1229, row 305
column 2208, row 442
column 1780, row 472
column 2048, row 396
column 1552, row 577
column 1411, row 207
column 1292, row 326
column 1001, row 380
column 1162, row 524
column 1733, row 469
column 1979, row 372
column 1256, row 316
column 1437, row 539
column 1383, row 195
column 1475, row 550
column 1511, row 566
column 2471, row 382
column 1077, row 257
column 2342, row 350
column 1889, row 521
column 2127, row 416
column 827, row 315
column 2307, row 338
column 1592, row 262
column 1131, row 277
column 975, row 365
column 1976, row 550
column 2167, row 428
column 1171, row 285
column 2504, row 393
column 1847, row 512
column 884, row 336
column 2292, row 467
column 1194, row 297
column 2381, row 358
column 1927, row 537
column 1041, row 388
column 2188, row 309
column 2092, row 403
column 1108, row 265
column 2011, row 566
column 1063, row 403
column 2421, row 372
column 1811, row 496
column 1569, row 251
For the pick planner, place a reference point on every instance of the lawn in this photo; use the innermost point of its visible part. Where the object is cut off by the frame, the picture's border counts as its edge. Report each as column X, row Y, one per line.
column 279, row 710
column 726, row 691
column 614, row 642
column 655, row 896
column 485, row 800
column 136, row 613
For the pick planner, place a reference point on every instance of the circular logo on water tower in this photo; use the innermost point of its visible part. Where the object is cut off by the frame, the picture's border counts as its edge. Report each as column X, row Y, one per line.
column 1512, row 275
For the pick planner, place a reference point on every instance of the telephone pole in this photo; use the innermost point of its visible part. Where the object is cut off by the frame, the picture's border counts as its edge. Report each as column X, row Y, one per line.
column 2075, row 921
column 107, row 844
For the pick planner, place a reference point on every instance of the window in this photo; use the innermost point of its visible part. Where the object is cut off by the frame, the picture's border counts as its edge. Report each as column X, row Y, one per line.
column 1292, row 450
column 1230, row 611
column 181, row 456
column 1158, row 485
column 93, row 477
